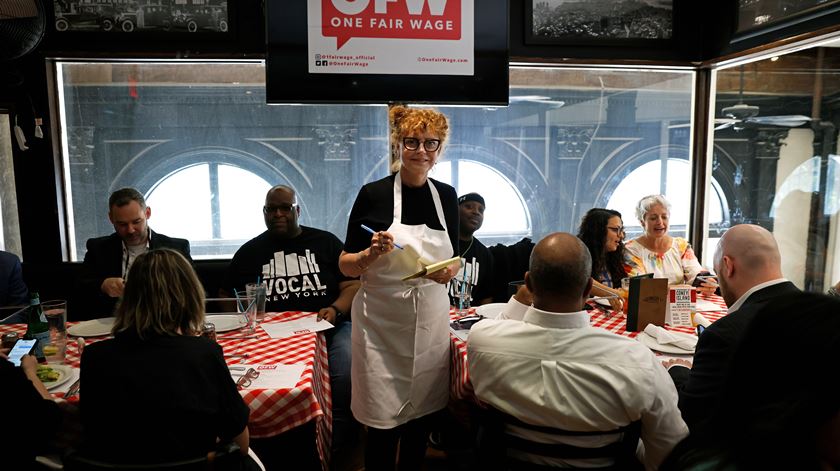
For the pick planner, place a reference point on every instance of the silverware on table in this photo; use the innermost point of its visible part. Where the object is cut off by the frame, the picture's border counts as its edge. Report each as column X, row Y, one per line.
column 73, row 389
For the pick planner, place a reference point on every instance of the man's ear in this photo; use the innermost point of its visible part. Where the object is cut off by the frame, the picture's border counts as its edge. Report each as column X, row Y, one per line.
column 110, row 218
column 148, row 212
column 588, row 288
column 728, row 266
column 528, row 282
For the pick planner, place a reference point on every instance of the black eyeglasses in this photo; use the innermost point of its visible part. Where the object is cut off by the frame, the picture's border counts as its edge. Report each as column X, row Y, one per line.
column 617, row 230
column 283, row 208
column 412, row 143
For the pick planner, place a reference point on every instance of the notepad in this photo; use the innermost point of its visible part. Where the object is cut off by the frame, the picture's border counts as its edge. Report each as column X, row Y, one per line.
column 437, row 266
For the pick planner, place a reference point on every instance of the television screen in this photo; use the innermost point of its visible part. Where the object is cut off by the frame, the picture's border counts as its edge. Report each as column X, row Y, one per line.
column 387, row 51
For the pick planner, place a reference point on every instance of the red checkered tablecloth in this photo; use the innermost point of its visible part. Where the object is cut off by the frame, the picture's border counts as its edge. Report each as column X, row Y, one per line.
column 273, row 411
column 461, row 388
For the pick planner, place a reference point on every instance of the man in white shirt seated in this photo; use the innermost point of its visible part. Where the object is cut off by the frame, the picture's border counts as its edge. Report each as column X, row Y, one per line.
column 552, row 369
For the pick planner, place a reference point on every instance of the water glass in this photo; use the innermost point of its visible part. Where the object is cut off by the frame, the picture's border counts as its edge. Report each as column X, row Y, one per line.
column 462, row 296
column 258, row 291
column 247, row 306
column 56, row 314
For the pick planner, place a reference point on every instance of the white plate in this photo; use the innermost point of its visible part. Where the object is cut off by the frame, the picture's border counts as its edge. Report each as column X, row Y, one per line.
column 227, row 322
column 64, row 375
column 652, row 344
column 490, row 311
column 602, row 301
column 92, row 328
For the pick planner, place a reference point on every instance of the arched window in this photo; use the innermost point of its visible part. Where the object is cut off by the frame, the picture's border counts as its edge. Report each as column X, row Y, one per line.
column 212, row 205
column 506, row 219
column 676, row 186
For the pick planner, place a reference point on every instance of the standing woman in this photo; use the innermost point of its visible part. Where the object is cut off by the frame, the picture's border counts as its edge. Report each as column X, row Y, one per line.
column 602, row 231
column 400, row 367
column 657, row 252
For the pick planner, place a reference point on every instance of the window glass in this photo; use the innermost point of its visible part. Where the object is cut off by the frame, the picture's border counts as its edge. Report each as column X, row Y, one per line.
column 506, row 218
column 200, row 142
column 775, row 166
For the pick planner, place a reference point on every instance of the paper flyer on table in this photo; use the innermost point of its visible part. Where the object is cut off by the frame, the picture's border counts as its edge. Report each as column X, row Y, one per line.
column 304, row 325
column 270, row 376
column 704, row 306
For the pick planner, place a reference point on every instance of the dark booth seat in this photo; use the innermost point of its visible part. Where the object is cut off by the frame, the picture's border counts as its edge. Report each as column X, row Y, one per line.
column 60, row 281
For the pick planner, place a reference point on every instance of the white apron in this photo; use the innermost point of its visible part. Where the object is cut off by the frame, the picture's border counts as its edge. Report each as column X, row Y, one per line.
column 400, row 367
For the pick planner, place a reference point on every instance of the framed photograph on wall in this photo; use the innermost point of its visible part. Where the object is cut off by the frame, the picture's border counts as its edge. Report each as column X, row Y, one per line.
column 762, row 15
column 598, row 22
column 131, row 16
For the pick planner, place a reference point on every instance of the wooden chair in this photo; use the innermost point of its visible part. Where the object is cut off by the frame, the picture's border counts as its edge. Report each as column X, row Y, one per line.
column 225, row 457
column 498, row 447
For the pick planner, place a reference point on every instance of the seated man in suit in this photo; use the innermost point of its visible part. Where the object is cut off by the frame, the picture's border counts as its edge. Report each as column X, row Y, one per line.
column 749, row 269
column 108, row 258
column 552, row 369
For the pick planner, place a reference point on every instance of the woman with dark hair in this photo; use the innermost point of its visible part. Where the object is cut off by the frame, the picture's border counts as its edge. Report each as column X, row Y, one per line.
column 602, row 231
column 186, row 398
column 780, row 407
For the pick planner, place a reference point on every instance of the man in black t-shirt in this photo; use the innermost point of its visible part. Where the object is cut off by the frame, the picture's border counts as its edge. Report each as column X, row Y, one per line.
column 476, row 259
column 299, row 266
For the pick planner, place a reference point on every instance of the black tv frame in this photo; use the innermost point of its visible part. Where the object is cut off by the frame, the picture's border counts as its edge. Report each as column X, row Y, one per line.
column 289, row 81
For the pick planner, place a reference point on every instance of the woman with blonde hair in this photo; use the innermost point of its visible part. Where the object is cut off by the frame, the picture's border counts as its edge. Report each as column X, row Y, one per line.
column 400, row 367
column 186, row 400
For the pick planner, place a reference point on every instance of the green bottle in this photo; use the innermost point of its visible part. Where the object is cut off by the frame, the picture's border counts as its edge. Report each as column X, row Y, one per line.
column 37, row 326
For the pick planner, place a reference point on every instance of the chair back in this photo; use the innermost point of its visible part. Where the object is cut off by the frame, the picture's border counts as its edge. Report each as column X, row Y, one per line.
column 499, row 448
column 225, row 457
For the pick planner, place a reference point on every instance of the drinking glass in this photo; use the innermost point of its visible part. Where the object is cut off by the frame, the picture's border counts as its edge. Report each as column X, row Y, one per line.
column 258, row 291
column 247, row 306
column 56, row 314
column 625, row 293
column 463, row 292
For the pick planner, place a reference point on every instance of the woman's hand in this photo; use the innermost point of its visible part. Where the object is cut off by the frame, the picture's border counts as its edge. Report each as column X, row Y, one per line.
column 381, row 243
column 441, row 276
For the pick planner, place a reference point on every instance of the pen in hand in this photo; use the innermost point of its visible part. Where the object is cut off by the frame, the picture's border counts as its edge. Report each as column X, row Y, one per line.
column 374, row 232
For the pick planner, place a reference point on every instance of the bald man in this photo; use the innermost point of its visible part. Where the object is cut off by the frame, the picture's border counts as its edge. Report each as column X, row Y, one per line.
column 552, row 369
column 299, row 266
column 748, row 267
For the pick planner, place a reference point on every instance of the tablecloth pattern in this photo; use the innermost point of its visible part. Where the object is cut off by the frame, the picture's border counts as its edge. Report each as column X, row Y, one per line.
column 273, row 411
column 461, row 388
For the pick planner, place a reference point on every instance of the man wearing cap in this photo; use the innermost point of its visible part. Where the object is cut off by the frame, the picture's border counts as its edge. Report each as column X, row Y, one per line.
column 477, row 262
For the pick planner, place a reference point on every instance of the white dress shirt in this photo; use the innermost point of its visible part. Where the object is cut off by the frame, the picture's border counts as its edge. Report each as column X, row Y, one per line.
column 513, row 310
column 553, row 369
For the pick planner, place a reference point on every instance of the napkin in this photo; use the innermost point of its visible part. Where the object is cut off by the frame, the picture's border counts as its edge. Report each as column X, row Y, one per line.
column 664, row 337
column 700, row 319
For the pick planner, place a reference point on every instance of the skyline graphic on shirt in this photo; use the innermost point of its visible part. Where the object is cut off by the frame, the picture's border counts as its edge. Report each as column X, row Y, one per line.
column 292, row 275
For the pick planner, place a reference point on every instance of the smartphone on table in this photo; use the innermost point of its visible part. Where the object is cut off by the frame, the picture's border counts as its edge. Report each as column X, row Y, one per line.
column 21, row 348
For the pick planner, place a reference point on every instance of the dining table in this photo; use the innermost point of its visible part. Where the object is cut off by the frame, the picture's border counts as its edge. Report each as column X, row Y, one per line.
column 460, row 386
column 272, row 411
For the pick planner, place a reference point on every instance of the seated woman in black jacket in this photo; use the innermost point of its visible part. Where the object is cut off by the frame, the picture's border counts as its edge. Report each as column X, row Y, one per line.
column 157, row 391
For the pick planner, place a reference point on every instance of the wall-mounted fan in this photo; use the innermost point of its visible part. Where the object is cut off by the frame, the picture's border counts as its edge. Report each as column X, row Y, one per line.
column 741, row 115
column 22, row 26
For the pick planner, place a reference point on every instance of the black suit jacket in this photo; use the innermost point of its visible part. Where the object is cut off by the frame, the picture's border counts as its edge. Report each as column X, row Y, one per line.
column 12, row 288
column 700, row 386
column 104, row 259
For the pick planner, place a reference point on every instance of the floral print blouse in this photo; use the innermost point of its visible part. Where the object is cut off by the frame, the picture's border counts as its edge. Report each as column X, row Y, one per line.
column 679, row 264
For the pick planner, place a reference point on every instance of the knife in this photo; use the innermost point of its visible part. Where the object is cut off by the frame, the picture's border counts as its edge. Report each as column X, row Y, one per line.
column 73, row 390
